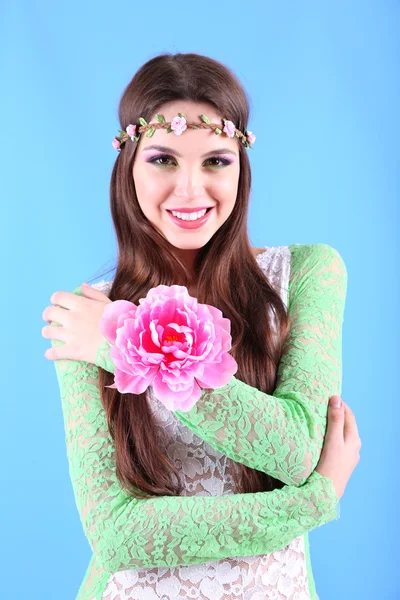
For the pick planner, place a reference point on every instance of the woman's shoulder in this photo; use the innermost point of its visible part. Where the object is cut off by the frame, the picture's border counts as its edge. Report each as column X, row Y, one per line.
column 103, row 286
column 257, row 251
column 303, row 258
column 313, row 254
column 304, row 249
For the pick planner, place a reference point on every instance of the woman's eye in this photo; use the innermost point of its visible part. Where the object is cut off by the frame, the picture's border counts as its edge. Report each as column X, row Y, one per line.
column 220, row 162
column 158, row 158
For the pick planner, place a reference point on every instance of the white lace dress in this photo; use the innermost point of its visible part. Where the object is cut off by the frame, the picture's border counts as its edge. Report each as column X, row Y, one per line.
column 211, row 543
column 285, row 574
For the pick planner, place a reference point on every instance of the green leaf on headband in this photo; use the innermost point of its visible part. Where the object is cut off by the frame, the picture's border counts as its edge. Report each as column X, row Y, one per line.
column 142, row 121
column 205, row 119
column 194, row 127
column 169, row 129
column 160, row 118
column 218, row 130
column 150, row 132
column 236, row 134
column 182, row 115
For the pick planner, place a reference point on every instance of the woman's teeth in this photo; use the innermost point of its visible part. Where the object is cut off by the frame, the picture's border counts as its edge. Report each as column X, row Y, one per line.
column 189, row 216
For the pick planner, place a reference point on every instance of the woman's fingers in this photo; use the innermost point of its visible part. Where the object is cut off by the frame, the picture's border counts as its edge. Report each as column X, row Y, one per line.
column 335, row 420
column 94, row 294
column 350, row 425
column 55, row 313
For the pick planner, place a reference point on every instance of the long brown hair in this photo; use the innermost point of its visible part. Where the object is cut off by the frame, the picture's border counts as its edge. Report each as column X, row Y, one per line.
column 227, row 273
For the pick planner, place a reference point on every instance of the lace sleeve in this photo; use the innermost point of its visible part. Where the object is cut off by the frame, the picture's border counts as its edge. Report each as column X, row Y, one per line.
column 130, row 533
column 282, row 434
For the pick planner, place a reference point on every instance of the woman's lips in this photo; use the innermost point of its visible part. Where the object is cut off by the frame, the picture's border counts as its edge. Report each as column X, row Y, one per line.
column 191, row 224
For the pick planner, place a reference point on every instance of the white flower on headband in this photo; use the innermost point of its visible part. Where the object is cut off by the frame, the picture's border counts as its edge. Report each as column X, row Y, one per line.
column 178, row 125
column 229, row 128
column 131, row 131
column 252, row 137
column 116, row 144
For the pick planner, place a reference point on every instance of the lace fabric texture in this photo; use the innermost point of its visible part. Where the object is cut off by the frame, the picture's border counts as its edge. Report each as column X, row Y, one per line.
column 212, row 542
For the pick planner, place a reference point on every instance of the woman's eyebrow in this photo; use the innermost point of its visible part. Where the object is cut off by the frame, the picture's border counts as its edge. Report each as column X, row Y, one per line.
column 172, row 151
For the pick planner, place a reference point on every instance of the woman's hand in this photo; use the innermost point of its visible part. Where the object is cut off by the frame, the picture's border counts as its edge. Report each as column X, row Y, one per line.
column 341, row 450
column 79, row 318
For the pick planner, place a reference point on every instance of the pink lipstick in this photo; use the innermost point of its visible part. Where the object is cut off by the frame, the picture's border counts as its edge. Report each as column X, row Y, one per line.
column 191, row 224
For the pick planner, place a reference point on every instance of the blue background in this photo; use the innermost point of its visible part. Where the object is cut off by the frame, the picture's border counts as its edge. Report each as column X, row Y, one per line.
column 324, row 85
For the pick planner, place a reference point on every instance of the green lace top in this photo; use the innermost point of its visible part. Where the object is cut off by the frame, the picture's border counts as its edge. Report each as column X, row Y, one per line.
column 280, row 434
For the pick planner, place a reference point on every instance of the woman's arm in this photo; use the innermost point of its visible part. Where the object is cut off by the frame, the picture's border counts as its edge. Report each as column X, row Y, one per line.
column 130, row 533
column 282, row 434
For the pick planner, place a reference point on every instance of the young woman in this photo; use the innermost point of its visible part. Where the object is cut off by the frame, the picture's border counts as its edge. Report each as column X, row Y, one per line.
column 215, row 502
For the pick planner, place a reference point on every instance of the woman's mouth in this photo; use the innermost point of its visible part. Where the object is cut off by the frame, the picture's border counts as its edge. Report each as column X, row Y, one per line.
column 191, row 224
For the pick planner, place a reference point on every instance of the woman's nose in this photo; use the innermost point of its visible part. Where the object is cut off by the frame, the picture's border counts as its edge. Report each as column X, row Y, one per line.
column 190, row 184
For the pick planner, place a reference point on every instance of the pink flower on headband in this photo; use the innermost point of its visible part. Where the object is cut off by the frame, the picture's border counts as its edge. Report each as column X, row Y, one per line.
column 131, row 131
column 178, row 125
column 116, row 144
column 251, row 137
column 229, row 128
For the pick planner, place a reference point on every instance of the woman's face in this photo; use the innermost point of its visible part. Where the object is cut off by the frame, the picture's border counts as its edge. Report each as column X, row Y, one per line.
column 195, row 169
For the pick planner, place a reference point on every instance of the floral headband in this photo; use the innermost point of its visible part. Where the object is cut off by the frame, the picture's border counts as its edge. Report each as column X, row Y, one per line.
column 178, row 125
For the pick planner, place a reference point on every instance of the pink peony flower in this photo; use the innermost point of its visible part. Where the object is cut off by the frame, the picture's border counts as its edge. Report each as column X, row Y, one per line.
column 131, row 131
column 251, row 137
column 171, row 342
column 178, row 125
column 229, row 128
column 116, row 144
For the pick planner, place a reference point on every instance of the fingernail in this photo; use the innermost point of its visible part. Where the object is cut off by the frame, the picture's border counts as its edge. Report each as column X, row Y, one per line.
column 335, row 401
